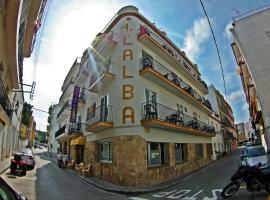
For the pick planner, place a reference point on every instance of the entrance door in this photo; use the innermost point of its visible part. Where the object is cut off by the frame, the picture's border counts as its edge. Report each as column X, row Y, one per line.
column 79, row 153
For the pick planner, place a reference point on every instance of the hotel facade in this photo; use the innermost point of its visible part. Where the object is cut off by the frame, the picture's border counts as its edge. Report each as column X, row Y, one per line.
column 144, row 118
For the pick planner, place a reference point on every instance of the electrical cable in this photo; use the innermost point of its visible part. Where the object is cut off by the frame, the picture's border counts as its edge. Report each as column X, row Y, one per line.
column 217, row 49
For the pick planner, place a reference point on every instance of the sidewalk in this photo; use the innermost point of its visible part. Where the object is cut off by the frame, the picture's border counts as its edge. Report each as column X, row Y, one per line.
column 104, row 185
column 4, row 164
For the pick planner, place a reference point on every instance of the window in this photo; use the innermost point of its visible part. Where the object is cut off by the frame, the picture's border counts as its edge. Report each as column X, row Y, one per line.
column 157, row 153
column 185, row 109
column 91, row 111
column 181, row 153
column 199, row 151
column 105, row 151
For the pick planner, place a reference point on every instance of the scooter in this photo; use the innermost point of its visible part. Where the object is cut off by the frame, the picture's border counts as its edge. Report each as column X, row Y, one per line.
column 18, row 165
column 255, row 178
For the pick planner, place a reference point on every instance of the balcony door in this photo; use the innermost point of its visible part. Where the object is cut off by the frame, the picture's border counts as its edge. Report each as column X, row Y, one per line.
column 104, row 108
column 151, row 97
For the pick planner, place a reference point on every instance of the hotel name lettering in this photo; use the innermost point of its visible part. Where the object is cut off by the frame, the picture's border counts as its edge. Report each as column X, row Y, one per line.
column 127, row 89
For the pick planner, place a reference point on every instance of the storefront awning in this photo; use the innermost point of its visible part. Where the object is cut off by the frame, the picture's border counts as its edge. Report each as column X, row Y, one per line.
column 78, row 141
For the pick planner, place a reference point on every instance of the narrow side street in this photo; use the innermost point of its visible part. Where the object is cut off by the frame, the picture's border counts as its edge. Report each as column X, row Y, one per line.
column 48, row 182
column 207, row 183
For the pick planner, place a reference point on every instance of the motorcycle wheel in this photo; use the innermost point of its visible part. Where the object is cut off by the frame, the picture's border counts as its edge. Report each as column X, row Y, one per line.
column 230, row 189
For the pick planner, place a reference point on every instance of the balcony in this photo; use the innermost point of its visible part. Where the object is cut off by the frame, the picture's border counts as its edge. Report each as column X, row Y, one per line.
column 60, row 132
column 100, row 119
column 103, row 76
column 159, row 46
column 159, row 116
column 5, row 105
column 64, row 112
column 156, row 72
column 75, row 130
column 240, row 60
column 104, row 44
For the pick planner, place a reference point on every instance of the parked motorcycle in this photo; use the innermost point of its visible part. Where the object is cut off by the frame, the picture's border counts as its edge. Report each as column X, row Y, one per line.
column 256, row 179
column 18, row 165
column 60, row 160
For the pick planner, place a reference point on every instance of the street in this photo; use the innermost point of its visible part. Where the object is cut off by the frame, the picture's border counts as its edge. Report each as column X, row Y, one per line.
column 206, row 184
column 47, row 181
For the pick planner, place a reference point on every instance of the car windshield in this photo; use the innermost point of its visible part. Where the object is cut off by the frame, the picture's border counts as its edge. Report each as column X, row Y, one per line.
column 24, row 151
column 252, row 152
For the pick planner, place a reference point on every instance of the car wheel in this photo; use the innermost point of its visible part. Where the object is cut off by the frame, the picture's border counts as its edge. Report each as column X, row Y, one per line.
column 23, row 173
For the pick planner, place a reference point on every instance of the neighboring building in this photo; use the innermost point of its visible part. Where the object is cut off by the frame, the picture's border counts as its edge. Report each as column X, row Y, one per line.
column 147, row 119
column 241, row 132
column 53, row 127
column 252, row 51
column 23, row 137
column 17, row 34
column 69, row 118
column 223, row 110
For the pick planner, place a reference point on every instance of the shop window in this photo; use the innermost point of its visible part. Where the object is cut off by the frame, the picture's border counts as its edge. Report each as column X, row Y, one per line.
column 157, row 154
column 181, row 153
column 105, row 151
column 199, row 151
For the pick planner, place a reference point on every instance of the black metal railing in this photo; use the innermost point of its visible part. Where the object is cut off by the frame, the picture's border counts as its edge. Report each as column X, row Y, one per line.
column 154, row 110
column 65, row 106
column 191, row 68
column 150, row 62
column 102, row 113
column 60, row 131
column 4, row 100
column 75, row 128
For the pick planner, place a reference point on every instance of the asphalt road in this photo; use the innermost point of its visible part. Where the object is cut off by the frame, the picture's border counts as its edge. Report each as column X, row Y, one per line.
column 48, row 182
column 206, row 184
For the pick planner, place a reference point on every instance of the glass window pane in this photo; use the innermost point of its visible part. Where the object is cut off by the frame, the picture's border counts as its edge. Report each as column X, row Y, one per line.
column 155, row 154
column 178, row 153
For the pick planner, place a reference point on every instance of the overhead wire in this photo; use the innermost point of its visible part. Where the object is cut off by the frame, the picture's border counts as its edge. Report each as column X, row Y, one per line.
column 217, row 49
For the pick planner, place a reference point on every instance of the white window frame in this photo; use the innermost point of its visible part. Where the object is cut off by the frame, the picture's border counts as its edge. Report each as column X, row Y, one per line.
column 110, row 156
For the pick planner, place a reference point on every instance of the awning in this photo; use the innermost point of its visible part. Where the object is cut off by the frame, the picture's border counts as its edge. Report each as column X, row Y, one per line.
column 78, row 141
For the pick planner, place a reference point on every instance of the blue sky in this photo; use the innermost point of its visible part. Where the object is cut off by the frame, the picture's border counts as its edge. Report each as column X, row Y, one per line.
column 72, row 25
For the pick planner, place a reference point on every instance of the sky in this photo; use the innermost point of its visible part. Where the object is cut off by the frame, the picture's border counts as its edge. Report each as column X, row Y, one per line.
column 72, row 24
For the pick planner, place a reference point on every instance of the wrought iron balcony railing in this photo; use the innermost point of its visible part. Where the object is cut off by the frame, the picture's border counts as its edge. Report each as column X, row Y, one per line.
column 4, row 100
column 60, row 131
column 176, row 55
column 102, row 113
column 157, row 111
column 75, row 128
column 148, row 61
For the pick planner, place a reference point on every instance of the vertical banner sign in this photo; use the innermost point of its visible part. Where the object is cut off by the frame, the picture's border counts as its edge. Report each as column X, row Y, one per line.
column 74, row 105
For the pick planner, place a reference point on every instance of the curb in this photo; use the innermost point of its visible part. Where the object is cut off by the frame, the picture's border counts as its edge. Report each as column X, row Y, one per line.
column 3, row 170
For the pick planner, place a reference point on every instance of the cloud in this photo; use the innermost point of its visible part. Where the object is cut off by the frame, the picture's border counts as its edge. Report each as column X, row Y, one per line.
column 227, row 32
column 195, row 36
column 245, row 107
column 236, row 95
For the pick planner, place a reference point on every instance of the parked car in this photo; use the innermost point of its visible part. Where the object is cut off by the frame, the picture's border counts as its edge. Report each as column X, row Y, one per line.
column 6, row 192
column 18, row 165
column 255, row 155
column 28, row 156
